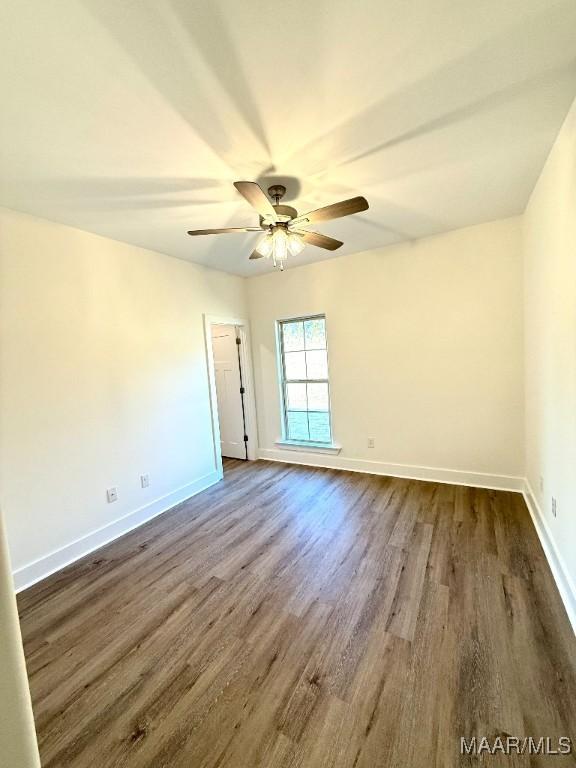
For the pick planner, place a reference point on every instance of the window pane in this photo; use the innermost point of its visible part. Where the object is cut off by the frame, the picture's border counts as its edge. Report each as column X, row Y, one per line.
column 295, row 365
column 317, row 397
column 315, row 333
column 297, row 425
column 316, row 364
column 296, row 397
column 319, row 426
column 293, row 336
column 305, row 380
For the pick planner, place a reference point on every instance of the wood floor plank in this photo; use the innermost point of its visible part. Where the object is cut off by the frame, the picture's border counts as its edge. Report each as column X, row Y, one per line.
column 298, row 617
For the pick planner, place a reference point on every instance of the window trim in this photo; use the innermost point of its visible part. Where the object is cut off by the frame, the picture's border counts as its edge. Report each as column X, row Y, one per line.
column 328, row 446
column 296, row 445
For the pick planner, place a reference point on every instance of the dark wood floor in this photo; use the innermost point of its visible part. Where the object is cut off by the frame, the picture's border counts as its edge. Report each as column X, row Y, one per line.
column 292, row 616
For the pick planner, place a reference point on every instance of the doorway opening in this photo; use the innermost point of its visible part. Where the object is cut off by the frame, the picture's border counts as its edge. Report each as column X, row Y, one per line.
column 231, row 393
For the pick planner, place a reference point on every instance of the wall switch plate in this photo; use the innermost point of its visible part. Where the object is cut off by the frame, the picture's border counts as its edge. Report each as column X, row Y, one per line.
column 144, row 481
column 554, row 508
column 112, row 495
column 370, row 442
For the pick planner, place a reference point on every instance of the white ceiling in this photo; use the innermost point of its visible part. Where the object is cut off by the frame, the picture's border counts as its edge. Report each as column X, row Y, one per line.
column 132, row 118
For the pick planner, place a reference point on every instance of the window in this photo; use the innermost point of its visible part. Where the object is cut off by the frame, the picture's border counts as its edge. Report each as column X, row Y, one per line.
column 304, row 372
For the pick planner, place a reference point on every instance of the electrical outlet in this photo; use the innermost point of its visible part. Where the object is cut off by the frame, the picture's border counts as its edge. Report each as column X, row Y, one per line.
column 144, row 481
column 370, row 442
column 554, row 509
column 112, row 495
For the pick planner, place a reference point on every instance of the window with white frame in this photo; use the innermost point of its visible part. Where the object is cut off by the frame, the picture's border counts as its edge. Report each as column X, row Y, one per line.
column 304, row 373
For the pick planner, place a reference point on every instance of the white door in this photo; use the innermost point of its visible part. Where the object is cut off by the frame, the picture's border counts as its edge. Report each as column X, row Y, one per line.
column 228, row 383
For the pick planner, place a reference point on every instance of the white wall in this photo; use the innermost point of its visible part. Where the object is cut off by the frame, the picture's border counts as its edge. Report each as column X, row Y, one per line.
column 103, row 377
column 425, row 351
column 550, row 307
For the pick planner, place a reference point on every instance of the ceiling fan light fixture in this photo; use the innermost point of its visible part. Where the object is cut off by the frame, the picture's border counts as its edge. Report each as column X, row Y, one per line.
column 266, row 245
column 295, row 244
column 280, row 247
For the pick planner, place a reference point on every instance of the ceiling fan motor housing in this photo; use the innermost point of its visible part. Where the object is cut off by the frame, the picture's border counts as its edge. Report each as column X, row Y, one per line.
column 284, row 213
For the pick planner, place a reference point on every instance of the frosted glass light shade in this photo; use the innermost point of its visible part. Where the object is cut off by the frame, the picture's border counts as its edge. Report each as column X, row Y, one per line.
column 265, row 246
column 295, row 244
column 280, row 244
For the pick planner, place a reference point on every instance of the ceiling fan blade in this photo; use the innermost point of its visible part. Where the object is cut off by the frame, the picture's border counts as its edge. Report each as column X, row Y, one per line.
column 321, row 241
column 256, row 197
column 334, row 211
column 256, row 255
column 223, row 231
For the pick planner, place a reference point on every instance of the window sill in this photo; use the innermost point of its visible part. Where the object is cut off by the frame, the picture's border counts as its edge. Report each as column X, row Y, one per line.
column 294, row 445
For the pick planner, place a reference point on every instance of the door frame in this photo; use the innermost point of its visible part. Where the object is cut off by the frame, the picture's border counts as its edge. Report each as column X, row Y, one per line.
column 247, row 380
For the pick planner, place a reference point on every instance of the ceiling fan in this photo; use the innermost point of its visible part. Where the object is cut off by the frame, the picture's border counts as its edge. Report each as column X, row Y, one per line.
column 283, row 225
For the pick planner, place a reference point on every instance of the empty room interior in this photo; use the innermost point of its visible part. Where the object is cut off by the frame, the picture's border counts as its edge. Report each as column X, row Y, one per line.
column 287, row 384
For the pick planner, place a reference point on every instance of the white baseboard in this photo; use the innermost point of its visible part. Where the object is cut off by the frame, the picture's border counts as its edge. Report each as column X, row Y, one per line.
column 408, row 471
column 555, row 561
column 39, row 569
